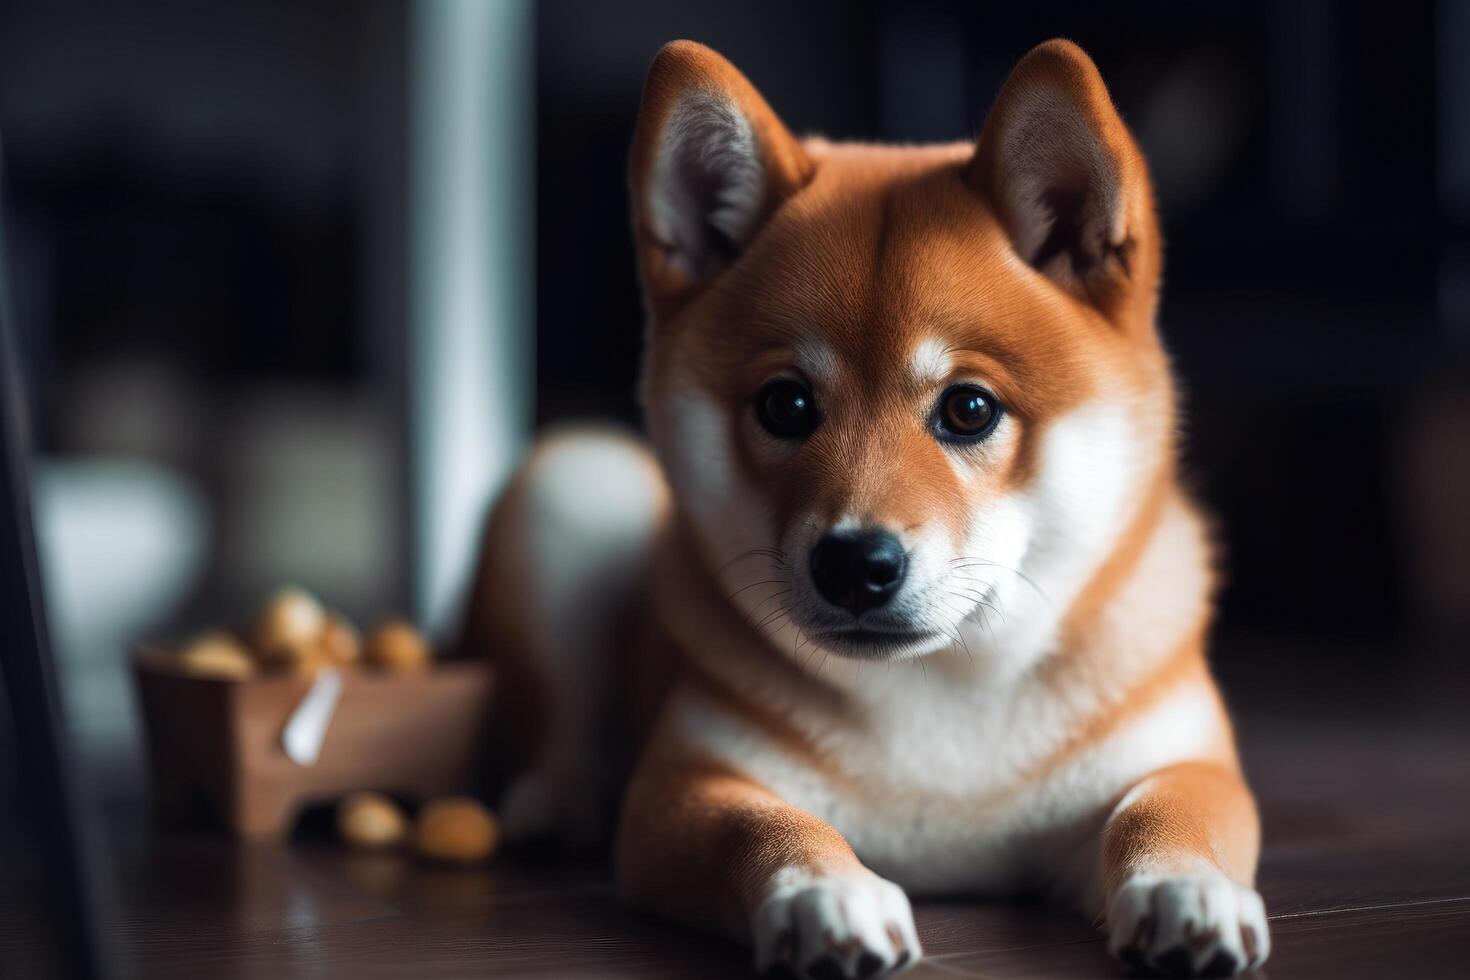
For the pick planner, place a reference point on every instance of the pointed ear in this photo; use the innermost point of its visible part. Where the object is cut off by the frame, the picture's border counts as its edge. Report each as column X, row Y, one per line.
column 710, row 163
column 1068, row 182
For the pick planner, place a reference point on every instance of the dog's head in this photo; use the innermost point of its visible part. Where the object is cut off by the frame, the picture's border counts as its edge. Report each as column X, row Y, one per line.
column 899, row 390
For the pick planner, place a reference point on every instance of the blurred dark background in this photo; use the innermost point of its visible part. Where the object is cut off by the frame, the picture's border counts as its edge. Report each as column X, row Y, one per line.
column 201, row 196
column 211, row 223
column 224, row 287
column 1310, row 170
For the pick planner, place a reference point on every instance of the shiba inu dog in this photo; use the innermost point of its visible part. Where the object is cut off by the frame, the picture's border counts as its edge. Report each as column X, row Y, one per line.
column 904, row 596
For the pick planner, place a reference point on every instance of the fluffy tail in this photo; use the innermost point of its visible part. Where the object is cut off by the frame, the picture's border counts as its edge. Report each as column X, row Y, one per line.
column 562, row 564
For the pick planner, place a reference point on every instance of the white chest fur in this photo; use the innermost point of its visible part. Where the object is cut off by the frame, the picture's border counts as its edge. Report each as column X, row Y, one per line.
column 947, row 787
column 980, row 769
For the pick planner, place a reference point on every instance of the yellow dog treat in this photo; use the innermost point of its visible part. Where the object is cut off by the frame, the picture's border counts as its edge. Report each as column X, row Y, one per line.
column 396, row 645
column 457, row 829
column 287, row 628
column 339, row 642
column 217, row 654
column 371, row 821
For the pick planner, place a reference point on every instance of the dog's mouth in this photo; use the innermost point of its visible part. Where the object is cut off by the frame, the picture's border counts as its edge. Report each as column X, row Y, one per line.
column 875, row 644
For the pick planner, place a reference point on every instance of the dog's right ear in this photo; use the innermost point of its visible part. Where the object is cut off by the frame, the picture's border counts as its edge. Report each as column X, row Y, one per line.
column 1070, row 184
column 710, row 163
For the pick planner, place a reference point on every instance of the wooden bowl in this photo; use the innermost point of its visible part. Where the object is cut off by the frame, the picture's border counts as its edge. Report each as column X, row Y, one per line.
column 215, row 745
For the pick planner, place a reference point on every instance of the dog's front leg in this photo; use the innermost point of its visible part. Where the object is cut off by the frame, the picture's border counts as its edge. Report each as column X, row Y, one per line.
column 1179, row 856
column 713, row 848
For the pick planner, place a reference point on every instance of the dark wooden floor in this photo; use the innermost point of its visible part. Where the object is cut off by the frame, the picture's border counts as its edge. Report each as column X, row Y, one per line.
column 1366, row 873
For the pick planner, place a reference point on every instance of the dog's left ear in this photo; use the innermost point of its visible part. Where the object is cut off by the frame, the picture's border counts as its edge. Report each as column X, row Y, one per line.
column 710, row 163
column 1069, row 183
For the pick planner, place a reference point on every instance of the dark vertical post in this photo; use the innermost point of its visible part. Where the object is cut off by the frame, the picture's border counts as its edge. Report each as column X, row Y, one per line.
column 1452, row 151
column 30, row 676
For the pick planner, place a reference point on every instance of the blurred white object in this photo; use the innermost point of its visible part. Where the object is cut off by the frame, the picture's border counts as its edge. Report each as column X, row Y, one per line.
column 471, row 193
column 306, row 729
column 120, row 544
column 308, row 495
column 144, row 406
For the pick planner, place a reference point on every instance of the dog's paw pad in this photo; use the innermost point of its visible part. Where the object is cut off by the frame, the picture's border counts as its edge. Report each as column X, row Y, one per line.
column 847, row 927
column 1199, row 925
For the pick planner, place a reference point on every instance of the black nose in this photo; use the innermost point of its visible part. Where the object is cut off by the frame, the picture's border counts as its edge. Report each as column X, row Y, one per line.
column 858, row 570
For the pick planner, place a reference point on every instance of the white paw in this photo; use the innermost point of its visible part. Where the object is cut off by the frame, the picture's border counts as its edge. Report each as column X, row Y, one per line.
column 838, row 926
column 1187, row 925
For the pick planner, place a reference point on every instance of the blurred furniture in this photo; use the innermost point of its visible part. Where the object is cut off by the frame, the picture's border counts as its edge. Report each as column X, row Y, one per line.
column 215, row 746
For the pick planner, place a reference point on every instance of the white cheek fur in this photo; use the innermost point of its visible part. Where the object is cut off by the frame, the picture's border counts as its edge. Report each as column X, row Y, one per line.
column 730, row 515
column 1001, row 592
column 701, row 463
column 1028, row 553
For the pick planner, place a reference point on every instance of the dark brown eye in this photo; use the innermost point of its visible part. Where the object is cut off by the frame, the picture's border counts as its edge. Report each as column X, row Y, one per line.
column 967, row 413
column 786, row 409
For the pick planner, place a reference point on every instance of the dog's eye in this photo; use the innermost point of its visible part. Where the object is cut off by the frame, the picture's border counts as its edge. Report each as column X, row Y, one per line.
column 786, row 409
column 967, row 412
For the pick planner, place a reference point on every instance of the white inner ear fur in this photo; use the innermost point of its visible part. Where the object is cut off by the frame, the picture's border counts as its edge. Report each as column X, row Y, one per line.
column 1052, row 155
column 707, row 181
